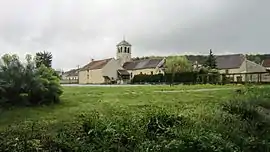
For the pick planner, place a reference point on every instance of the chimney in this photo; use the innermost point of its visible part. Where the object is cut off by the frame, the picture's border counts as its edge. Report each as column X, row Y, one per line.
column 92, row 60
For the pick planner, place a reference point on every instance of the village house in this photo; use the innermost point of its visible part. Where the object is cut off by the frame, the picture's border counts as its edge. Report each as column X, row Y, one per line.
column 120, row 70
column 266, row 64
column 99, row 72
column 70, row 76
column 238, row 65
column 146, row 66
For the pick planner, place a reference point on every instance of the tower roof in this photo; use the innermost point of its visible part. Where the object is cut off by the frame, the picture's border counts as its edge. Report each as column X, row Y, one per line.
column 124, row 42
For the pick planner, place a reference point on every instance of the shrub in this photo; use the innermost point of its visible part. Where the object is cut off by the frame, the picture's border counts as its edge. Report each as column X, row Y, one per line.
column 24, row 84
column 184, row 77
column 252, row 109
column 159, row 125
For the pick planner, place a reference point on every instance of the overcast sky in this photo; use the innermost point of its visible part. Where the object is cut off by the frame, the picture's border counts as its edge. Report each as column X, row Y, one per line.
column 77, row 30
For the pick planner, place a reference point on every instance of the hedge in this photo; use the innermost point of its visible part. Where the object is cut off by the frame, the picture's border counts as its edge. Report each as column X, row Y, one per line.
column 185, row 77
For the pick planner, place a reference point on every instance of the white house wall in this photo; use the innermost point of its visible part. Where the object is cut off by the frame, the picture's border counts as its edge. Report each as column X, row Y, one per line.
column 249, row 66
column 110, row 69
column 83, row 77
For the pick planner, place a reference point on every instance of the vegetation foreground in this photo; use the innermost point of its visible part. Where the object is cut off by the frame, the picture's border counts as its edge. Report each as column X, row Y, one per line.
column 142, row 119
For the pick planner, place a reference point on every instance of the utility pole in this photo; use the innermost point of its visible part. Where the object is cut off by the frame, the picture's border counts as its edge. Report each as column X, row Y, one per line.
column 78, row 68
column 246, row 67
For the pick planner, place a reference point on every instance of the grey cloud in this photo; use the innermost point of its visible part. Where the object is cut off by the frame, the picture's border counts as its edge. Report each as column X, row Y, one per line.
column 75, row 31
column 242, row 29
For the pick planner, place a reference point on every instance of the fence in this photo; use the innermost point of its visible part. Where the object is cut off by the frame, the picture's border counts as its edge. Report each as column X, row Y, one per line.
column 254, row 77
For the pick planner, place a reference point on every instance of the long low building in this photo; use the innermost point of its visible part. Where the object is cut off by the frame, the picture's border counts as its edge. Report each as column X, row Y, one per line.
column 238, row 64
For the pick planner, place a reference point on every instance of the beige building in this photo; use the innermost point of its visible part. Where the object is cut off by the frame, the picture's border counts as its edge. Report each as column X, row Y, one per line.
column 99, row 72
column 120, row 70
column 146, row 66
column 238, row 65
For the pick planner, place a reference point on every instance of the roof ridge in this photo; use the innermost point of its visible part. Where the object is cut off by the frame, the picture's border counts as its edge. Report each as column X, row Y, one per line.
column 96, row 64
column 231, row 54
column 102, row 59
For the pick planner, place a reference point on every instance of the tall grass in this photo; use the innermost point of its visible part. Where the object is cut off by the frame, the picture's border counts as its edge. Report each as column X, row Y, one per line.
column 239, row 124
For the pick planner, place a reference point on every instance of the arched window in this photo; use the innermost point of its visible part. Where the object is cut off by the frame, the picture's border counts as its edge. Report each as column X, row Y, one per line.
column 128, row 50
column 125, row 49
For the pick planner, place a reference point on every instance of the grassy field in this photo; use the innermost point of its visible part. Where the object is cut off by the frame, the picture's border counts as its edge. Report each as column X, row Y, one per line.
column 113, row 101
column 203, row 118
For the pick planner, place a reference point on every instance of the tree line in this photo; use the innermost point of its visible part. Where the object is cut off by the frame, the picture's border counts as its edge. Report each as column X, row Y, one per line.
column 257, row 58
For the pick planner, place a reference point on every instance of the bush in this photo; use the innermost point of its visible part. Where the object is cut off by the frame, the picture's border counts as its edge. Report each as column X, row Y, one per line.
column 251, row 107
column 24, row 84
column 184, row 77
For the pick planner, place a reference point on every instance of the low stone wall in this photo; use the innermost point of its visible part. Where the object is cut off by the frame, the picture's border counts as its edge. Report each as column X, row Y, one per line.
column 69, row 81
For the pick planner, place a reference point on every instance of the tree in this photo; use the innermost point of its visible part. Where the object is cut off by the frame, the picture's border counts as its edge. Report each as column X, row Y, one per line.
column 25, row 84
column 257, row 60
column 176, row 64
column 44, row 58
column 211, row 61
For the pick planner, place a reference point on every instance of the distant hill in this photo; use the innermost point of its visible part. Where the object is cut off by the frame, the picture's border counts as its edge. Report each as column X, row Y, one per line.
column 257, row 58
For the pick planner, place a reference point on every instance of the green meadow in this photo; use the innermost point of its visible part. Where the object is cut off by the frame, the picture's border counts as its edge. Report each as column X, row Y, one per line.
column 143, row 118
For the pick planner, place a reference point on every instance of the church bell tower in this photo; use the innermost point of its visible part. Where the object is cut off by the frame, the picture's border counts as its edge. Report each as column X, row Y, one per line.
column 123, row 52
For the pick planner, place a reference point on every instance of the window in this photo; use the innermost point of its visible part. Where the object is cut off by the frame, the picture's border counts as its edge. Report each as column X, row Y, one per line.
column 131, row 74
column 128, row 50
column 140, row 73
column 87, row 76
column 125, row 49
column 227, row 71
column 152, row 72
column 239, row 78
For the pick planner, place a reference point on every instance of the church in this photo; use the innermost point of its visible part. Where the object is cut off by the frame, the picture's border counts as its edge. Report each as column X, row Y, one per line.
column 119, row 70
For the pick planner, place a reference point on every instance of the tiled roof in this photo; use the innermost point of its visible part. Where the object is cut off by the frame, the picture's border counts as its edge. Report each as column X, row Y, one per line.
column 124, row 42
column 73, row 72
column 123, row 72
column 99, row 64
column 142, row 64
column 231, row 61
column 266, row 63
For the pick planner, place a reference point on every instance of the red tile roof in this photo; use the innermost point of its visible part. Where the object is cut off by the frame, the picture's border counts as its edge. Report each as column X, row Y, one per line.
column 99, row 64
column 266, row 63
